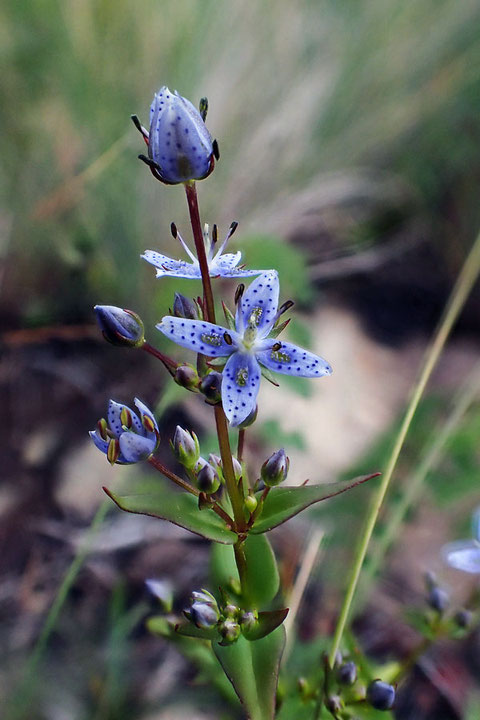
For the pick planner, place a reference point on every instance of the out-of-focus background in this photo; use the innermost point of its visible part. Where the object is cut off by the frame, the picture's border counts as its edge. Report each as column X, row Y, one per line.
column 349, row 135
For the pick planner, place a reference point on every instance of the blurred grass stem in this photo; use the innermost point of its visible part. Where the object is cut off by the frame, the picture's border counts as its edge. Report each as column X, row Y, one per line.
column 464, row 284
column 24, row 693
column 465, row 397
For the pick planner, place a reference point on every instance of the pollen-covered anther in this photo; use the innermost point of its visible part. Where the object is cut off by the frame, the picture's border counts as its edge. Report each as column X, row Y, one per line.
column 126, row 418
column 113, row 451
column 148, row 423
column 241, row 377
column 212, row 339
column 102, row 428
column 281, row 357
column 255, row 316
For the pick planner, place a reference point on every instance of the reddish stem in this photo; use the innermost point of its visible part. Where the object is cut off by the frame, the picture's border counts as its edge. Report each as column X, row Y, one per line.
column 191, row 192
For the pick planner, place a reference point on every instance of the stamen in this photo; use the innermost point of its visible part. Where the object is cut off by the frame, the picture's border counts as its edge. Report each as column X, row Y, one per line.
column 173, row 230
column 277, row 346
column 233, row 227
column 241, row 377
column 214, row 235
column 286, row 306
column 227, row 338
column 239, row 293
column 212, row 339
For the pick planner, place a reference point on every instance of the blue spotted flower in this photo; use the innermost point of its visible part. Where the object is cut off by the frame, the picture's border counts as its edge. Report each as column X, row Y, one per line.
column 248, row 347
column 125, row 437
column 465, row 554
column 180, row 147
column 220, row 265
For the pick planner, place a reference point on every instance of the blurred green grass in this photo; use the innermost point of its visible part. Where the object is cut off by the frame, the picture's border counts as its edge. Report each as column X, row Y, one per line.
column 296, row 92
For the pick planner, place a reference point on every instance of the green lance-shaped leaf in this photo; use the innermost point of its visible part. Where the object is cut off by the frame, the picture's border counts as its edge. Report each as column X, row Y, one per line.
column 282, row 503
column 252, row 668
column 262, row 579
column 178, row 508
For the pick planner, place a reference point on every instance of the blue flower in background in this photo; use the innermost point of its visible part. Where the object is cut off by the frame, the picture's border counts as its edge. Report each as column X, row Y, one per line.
column 465, row 554
column 218, row 264
column 248, row 347
column 124, row 437
column 180, row 147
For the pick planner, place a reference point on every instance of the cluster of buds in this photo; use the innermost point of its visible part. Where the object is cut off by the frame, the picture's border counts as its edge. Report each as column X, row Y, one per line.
column 229, row 620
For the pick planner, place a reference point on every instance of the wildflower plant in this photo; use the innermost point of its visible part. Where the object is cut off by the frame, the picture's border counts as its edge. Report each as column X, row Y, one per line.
column 238, row 619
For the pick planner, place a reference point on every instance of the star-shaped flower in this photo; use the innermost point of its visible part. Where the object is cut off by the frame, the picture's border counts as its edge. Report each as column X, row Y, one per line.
column 220, row 265
column 465, row 554
column 124, row 437
column 247, row 347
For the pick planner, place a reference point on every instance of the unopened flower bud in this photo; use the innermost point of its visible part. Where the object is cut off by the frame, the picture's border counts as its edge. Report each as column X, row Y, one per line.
column 203, row 612
column 333, row 703
column 183, row 307
column 248, row 621
column 463, row 618
column 438, row 599
column 347, row 673
column 120, row 327
column 229, row 630
column 208, row 480
column 275, row 469
column 179, row 145
column 186, row 376
column 186, row 447
column 237, row 468
column 211, row 386
column 251, row 503
column 381, row 695
column 203, row 616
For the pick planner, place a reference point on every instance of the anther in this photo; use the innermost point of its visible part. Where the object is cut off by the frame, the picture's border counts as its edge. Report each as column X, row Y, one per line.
column 286, row 306
column 216, row 151
column 276, row 347
column 214, row 234
column 203, row 108
column 173, row 230
column 239, row 292
column 233, row 227
column 227, row 338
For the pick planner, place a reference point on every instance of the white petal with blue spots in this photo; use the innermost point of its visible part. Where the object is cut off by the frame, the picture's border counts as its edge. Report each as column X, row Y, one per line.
column 289, row 359
column 240, row 386
column 172, row 268
column 135, row 447
column 201, row 337
column 259, row 304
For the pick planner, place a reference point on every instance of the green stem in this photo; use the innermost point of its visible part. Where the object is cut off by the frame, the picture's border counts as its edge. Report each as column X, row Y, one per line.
column 191, row 192
column 229, row 473
column 241, row 562
column 460, row 292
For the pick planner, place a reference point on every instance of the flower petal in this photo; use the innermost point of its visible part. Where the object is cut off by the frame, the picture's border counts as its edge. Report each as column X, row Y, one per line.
column 240, row 386
column 135, row 447
column 168, row 267
column 144, row 410
column 115, row 422
column 226, row 266
column 463, row 555
column 290, row 359
column 259, row 303
column 199, row 336
column 101, row 444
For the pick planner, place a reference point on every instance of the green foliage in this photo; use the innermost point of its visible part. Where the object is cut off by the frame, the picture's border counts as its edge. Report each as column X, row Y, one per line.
column 272, row 435
column 283, row 503
column 252, row 668
column 179, row 508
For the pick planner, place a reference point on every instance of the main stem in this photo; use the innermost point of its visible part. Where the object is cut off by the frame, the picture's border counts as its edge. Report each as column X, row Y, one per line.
column 191, row 192
column 465, row 281
column 220, row 419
